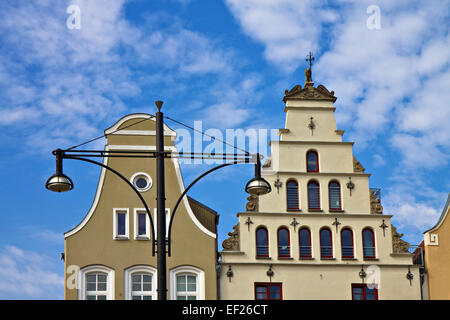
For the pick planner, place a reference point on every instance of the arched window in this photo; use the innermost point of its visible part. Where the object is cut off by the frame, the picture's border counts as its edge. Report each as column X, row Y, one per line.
column 305, row 243
column 96, row 286
column 140, row 283
column 284, row 249
column 326, row 244
column 141, row 286
column 312, row 161
column 292, row 195
column 186, row 286
column 187, row 283
column 262, row 242
column 96, row 282
column 368, row 243
column 313, row 195
column 347, row 243
column 334, row 194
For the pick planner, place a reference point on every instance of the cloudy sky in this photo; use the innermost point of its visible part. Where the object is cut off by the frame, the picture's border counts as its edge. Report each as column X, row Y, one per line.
column 226, row 63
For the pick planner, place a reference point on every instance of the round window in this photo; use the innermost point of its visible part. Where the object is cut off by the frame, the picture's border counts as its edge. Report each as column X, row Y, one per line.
column 141, row 181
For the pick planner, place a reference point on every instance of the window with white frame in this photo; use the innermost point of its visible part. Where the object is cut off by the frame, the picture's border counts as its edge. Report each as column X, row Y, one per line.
column 121, row 223
column 96, row 286
column 141, row 225
column 187, row 283
column 141, row 181
column 96, row 283
column 186, row 286
column 140, row 283
column 155, row 218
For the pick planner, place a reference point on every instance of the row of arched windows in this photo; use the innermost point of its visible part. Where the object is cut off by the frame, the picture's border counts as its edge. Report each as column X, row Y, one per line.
column 313, row 189
column 305, row 244
column 97, row 283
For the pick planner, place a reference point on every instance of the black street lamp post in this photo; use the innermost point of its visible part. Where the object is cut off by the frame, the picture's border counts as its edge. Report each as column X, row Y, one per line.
column 161, row 205
column 59, row 182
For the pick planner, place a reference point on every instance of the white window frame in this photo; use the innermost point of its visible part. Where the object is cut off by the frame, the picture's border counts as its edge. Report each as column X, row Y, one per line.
column 116, row 236
column 139, row 269
column 96, row 269
column 189, row 270
column 155, row 218
column 146, row 177
column 137, row 236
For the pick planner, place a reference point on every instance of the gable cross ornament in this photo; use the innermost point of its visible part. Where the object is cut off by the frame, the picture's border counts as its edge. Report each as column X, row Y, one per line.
column 384, row 226
column 248, row 223
column 311, row 125
column 278, row 184
column 294, row 223
column 336, row 223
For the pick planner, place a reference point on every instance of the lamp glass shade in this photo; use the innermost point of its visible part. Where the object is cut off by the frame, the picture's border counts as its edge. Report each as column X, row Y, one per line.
column 59, row 183
column 258, row 186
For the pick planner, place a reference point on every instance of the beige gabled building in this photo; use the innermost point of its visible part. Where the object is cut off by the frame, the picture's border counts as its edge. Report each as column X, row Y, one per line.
column 321, row 232
column 108, row 255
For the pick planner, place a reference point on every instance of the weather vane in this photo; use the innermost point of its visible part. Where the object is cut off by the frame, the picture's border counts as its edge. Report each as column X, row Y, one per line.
column 308, row 76
column 310, row 58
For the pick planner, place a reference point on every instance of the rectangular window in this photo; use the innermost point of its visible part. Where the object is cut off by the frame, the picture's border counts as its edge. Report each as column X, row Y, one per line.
column 155, row 218
column 120, row 224
column 142, row 228
column 96, row 286
column 363, row 292
column 186, row 287
column 268, row 291
column 141, row 224
column 141, row 286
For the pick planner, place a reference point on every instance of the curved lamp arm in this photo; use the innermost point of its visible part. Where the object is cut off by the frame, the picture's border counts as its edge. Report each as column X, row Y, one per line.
column 184, row 193
column 130, row 184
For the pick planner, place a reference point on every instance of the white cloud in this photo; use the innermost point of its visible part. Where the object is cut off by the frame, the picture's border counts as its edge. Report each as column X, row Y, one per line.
column 288, row 29
column 28, row 275
column 409, row 212
column 225, row 115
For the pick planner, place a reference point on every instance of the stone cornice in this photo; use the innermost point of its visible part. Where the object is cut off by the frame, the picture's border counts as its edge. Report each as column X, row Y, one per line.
column 313, row 142
column 337, row 263
column 317, row 174
column 314, row 214
column 309, row 92
column 309, row 108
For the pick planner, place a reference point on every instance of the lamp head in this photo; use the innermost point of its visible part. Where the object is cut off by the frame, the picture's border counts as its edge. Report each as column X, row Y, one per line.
column 59, row 183
column 258, row 186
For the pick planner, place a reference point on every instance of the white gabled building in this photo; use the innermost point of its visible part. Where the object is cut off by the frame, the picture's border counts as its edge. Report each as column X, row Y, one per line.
column 320, row 233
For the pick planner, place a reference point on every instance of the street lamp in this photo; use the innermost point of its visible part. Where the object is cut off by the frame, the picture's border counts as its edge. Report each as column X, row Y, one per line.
column 61, row 183
column 258, row 185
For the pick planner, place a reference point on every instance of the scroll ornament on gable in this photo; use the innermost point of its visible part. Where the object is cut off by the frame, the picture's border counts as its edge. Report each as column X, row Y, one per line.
column 232, row 243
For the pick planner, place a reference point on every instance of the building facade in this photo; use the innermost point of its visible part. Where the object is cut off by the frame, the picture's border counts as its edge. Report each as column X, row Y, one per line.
column 436, row 253
column 109, row 254
column 321, row 232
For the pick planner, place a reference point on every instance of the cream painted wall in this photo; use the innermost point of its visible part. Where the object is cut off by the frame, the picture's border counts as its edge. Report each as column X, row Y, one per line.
column 317, row 282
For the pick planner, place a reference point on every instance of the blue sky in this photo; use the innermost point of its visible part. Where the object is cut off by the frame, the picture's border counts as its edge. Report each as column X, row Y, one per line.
column 226, row 63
